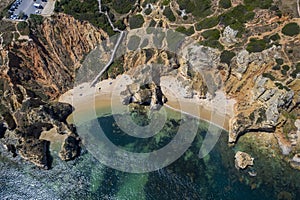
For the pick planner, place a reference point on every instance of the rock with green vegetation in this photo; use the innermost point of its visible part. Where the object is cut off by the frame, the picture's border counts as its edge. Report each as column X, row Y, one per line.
column 225, row 4
column 236, row 18
column 136, row 21
column 291, row 29
column 169, row 14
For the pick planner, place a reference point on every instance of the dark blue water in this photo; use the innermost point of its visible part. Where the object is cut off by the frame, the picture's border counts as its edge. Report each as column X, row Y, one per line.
column 213, row 177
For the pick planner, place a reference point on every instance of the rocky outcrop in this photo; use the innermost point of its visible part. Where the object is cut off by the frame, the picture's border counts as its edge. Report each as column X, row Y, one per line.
column 70, row 148
column 148, row 95
column 243, row 160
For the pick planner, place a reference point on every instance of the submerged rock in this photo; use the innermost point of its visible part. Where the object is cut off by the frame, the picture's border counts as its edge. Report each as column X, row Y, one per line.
column 243, row 160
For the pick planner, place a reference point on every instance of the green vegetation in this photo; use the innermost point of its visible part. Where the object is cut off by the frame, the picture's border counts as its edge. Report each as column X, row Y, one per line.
column 169, row 14
column 87, row 11
column 225, row 4
column 276, row 67
column 165, row 2
column 136, row 21
column 35, row 20
column 279, row 61
column 213, row 34
column 236, row 17
column 281, row 87
column 148, row 11
column 7, row 38
column 212, row 39
column 122, row 6
column 286, row 67
column 291, row 29
column 207, row 23
column 148, row 1
column 296, row 70
column 188, row 32
column 275, row 37
column 196, row 7
column 263, row 4
column 120, row 25
column 268, row 75
column 226, row 56
column 115, row 69
column 6, row 26
column 23, row 28
column 256, row 45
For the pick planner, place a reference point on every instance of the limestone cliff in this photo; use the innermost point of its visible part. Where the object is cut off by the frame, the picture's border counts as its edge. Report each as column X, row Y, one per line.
column 33, row 74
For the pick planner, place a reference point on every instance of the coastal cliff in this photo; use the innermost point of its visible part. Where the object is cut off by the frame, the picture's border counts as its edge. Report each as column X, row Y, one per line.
column 34, row 73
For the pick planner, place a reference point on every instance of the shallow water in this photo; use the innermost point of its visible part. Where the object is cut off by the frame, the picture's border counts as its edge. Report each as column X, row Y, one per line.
column 213, row 177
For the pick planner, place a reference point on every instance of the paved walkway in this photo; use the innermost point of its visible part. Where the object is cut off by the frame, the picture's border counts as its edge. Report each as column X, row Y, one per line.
column 49, row 8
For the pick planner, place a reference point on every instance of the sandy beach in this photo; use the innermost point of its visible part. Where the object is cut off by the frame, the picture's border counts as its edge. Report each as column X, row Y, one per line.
column 104, row 95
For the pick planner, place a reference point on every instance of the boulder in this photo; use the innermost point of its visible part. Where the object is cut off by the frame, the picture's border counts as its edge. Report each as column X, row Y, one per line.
column 243, row 160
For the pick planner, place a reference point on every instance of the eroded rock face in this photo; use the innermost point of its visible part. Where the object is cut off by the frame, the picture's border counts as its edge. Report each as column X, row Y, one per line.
column 243, row 160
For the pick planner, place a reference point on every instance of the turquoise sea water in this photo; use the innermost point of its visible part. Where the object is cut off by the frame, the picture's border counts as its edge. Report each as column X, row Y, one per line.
column 213, row 177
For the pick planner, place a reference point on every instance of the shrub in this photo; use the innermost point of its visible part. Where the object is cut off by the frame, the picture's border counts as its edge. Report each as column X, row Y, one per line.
column 296, row 71
column 225, row 4
column 256, row 45
column 268, row 75
column 148, row 11
column 23, row 28
column 86, row 10
column 211, row 39
column 275, row 37
column 279, row 61
column 166, row 2
column 188, row 32
column 122, row 6
column 286, row 67
column 169, row 14
column 291, row 29
column 212, row 43
column 196, row 7
column 276, row 67
column 226, row 56
column 213, row 34
column 263, row 4
column 136, row 21
column 207, row 23
column 236, row 17
column 36, row 19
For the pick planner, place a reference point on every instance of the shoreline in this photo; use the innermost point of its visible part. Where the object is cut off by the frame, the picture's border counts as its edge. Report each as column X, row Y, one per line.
column 202, row 109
